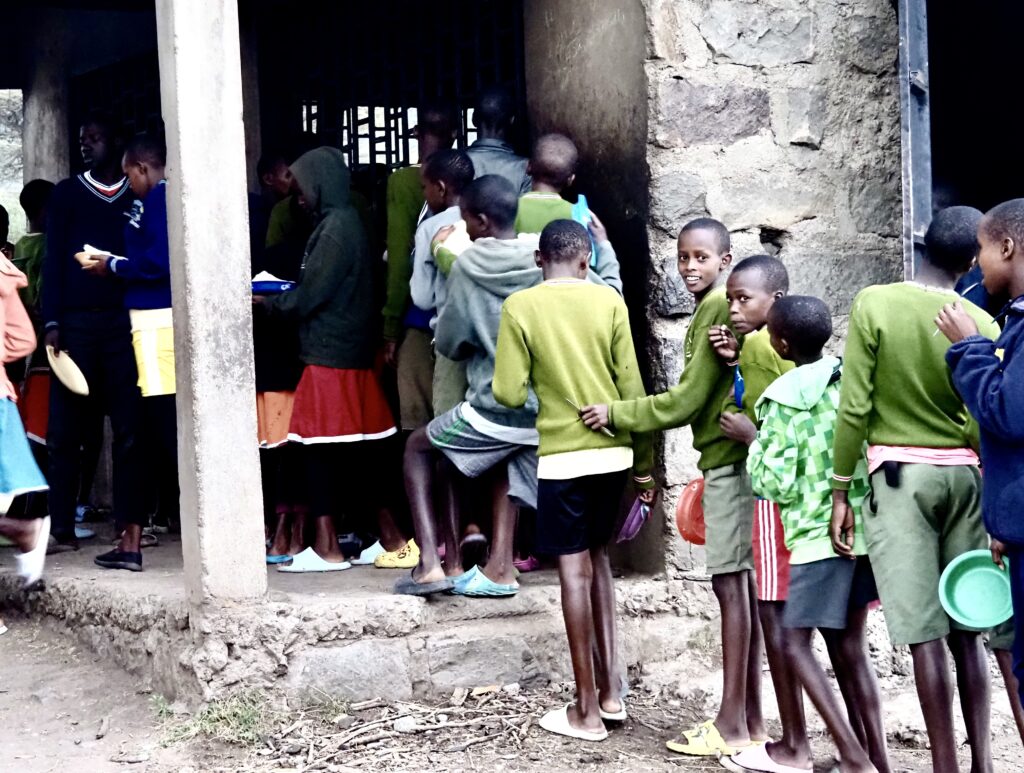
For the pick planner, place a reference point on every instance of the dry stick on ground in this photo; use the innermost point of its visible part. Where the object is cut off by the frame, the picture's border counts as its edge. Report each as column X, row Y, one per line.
column 472, row 742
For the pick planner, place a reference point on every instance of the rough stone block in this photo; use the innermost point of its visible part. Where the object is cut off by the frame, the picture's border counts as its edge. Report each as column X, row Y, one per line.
column 473, row 661
column 759, row 197
column 676, row 197
column 875, row 201
column 690, row 113
column 868, row 42
column 798, row 117
column 365, row 669
column 759, row 33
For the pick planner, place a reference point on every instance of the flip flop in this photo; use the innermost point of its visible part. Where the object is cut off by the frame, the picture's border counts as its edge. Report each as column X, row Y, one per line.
column 31, row 563
column 617, row 716
column 407, row 586
column 83, row 533
column 310, row 561
column 528, row 564
column 704, row 741
column 368, row 555
column 278, row 559
column 557, row 721
column 758, row 759
column 480, row 585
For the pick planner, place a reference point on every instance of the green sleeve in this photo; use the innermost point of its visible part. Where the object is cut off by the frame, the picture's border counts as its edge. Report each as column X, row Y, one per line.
column 403, row 208
column 279, row 223
column 856, row 399
column 682, row 404
column 772, row 460
column 444, row 260
column 511, row 363
column 631, row 387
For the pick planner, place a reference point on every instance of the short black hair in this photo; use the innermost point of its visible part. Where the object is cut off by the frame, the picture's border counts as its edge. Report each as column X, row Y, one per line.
column 113, row 127
column 494, row 196
column 553, row 160
column 5, row 222
column 269, row 160
column 563, row 241
column 495, row 109
column 34, row 196
column 436, row 119
column 452, row 167
column 148, row 149
column 772, row 270
column 1006, row 221
column 722, row 239
column 804, row 321
column 951, row 242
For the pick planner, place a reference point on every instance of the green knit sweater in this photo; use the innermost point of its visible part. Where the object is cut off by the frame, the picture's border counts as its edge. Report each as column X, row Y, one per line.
column 569, row 340
column 897, row 389
column 536, row 210
column 697, row 399
column 760, row 365
column 404, row 202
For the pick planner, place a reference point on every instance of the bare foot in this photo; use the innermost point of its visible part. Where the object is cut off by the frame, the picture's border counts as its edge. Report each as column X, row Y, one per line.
column 783, row 755
column 591, row 724
column 503, row 575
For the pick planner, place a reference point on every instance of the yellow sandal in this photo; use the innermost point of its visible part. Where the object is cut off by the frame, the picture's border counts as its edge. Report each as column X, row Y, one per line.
column 704, row 741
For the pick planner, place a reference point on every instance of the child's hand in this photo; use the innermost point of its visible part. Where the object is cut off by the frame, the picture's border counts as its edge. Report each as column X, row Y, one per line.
column 441, row 236
column 738, row 427
column 595, row 416
column 724, row 342
column 391, row 353
column 647, row 495
column 99, row 267
column 955, row 323
column 841, row 528
column 259, row 300
column 998, row 551
column 597, row 229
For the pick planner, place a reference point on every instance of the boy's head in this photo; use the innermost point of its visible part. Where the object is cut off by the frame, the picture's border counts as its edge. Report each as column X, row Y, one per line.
column 5, row 224
column 489, row 207
column 494, row 113
column 553, row 161
column 799, row 326
column 704, row 251
column 445, row 176
column 434, row 130
column 951, row 242
column 1001, row 253
column 754, row 285
column 144, row 161
column 564, row 249
column 33, row 199
column 100, row 142
column 274, row 174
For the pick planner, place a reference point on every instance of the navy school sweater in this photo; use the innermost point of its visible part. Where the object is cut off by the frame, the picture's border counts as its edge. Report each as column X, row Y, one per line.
column 990, row 377
column 145, row 267
column 81, row 212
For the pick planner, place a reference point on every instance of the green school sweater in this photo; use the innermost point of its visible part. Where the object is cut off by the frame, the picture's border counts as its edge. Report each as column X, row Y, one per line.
column 760, row 365
column 697, row 399
column 404, row 202
column 897, row 389
column 536, row 210
column 569, row 339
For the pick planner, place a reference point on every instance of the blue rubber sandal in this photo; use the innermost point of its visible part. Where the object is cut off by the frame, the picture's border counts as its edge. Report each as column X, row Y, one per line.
column 477, row 584
column 278, row 559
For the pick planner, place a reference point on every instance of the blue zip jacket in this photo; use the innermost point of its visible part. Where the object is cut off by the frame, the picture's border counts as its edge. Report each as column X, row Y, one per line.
column 992, row 387
column 146, row 265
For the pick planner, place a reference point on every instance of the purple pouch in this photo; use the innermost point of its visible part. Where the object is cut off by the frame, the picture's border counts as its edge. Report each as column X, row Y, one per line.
column 634, row 521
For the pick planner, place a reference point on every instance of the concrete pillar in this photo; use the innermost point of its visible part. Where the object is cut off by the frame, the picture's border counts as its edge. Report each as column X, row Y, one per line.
column 221, row 502
column 249, row 37
column 46, row 146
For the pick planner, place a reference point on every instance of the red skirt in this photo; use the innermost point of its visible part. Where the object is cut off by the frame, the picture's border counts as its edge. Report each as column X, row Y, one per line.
column 333, row 405
column 34, row 405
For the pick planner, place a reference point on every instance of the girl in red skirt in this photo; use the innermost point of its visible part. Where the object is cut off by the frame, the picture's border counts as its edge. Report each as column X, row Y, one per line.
column 340, row 414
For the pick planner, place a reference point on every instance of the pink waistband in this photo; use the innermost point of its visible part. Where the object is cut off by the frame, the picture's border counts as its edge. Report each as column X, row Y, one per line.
column 941, row 457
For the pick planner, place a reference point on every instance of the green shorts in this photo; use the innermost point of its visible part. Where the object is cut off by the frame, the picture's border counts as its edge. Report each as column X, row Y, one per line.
column 449, row 384
column 1001, row 637
column 415, row 378
column 913, row 531
column 728, row 504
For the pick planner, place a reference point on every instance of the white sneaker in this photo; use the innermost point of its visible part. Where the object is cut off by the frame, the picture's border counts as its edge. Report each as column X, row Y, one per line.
column 368, row 555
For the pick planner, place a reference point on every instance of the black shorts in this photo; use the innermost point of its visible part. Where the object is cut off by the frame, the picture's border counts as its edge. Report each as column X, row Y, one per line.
column 823, row 593
column 577, row 514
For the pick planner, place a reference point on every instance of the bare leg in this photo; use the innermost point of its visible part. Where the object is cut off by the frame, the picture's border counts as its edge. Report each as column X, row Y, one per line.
column 755, row 662
column 131, row 538
column 847, row 689
column 419, row 464
column 602, row 602
column 935, row 694
column 21, row 532
column 812, row 676
column 326, row 541
column 575, row 573
column 975, row 687
column 300, row 516
column 794, row 749
column 391, row 536
column 450, row 479
column 499, row 567
column 1005, row 660
column 282, row 536
column 733, row 594
column 849, row 649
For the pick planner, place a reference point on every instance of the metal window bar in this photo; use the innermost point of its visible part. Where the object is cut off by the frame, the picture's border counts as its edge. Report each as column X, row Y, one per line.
column 915, row 130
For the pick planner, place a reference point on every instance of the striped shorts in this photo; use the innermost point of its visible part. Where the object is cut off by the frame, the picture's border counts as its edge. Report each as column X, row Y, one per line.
column 771, row 558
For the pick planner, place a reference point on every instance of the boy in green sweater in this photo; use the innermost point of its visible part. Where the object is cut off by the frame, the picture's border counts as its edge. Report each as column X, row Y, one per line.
column 570, row 340
column 753, row 288
column 790, row 462
column 553, row 168
column 704, row 253
column 925, row 507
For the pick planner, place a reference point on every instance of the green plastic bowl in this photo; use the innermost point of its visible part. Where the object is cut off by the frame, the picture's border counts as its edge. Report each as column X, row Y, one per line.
column 975, row 592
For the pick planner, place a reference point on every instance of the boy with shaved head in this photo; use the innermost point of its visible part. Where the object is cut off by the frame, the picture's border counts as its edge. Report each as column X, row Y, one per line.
column 553, row 168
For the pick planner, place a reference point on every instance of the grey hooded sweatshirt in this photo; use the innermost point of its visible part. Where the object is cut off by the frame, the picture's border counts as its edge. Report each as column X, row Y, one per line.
column 334, row 300
column 467, row 328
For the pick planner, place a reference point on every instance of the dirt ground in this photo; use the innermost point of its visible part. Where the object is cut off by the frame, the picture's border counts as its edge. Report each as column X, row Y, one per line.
column 56, row 699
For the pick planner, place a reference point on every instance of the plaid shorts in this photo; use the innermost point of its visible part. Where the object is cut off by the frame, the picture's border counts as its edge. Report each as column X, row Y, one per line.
column 474, row 453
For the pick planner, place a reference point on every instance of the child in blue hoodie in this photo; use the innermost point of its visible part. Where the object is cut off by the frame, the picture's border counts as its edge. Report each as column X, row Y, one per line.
column 990, row 377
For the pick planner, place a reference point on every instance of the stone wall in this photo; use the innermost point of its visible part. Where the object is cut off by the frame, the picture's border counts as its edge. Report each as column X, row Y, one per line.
column 781, row 119
column 10, row 160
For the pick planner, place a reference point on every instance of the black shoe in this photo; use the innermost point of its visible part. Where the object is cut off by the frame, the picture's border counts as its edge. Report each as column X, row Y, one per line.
column 120, row 559
column 61, row 544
